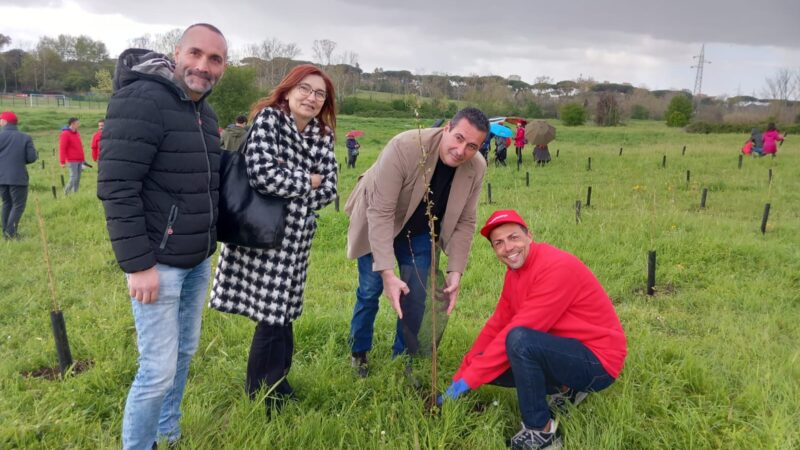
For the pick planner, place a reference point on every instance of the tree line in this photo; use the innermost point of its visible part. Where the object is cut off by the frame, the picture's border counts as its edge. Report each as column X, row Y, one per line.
column 80, row 65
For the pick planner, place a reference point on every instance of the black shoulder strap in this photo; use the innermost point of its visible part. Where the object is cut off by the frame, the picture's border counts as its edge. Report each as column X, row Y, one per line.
column 243, row 144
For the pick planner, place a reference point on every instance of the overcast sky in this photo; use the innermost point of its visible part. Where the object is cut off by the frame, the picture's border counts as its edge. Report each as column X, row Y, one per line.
column 648, row 44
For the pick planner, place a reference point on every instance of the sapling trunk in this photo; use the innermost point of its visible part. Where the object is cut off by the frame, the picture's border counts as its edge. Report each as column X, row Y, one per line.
column 651, row 272
column 56, row 316
column 764, row 219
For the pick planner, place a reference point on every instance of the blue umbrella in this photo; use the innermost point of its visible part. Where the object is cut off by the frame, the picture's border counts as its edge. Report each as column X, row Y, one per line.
column 500, row 130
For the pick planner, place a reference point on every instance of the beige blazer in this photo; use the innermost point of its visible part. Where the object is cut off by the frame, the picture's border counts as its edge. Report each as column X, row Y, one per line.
column 387, row 194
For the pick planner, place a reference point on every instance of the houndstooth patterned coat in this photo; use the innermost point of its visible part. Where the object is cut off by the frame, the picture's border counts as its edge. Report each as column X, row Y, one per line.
column 267, row 285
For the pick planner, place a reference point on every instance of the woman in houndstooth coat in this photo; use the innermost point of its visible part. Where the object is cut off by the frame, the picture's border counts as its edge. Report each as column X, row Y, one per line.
column 289, row 153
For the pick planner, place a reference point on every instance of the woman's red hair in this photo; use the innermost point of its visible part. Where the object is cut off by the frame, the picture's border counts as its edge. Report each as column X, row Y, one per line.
column 277, row 98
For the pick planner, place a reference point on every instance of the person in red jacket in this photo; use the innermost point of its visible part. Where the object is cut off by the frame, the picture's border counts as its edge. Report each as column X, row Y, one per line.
column 554, row 331
column 70, row 153
column 96, row 140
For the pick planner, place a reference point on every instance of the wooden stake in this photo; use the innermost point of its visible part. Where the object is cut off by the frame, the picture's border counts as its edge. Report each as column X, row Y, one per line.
column 764, row 219
column 620, row 151
column 589, row 197
column 664, row 161
column 527, row 179
column 54, row 192
column 683, row 152
column 703, row 198
column 557, row 152
column 577, row 211
column 62, row 181
column 688, row 177
column 589, row 166
column 489, row 188
column 740, row 161
column 336, row 203
column 651, row 272
column 770, row 176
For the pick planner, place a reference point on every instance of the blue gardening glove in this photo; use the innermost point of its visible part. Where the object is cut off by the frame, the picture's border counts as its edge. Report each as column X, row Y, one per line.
column 454, row 391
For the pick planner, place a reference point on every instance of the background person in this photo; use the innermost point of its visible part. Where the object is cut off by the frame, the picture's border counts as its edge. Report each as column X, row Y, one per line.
column 70, row 153
column 554, row 330
column 233, row 136
column 500, row 150
column 541, row 154
column 388, row 224
column 352, row 151
column 158, row 178
column 289, row 154
column 16, row 151
column 96, row 140
column 519, row 140
column 757, row 140
column 771, row 138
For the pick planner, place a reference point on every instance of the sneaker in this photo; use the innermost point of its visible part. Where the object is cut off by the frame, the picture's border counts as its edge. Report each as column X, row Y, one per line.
column 358, row 360
column 528, row 439
column 561, row 402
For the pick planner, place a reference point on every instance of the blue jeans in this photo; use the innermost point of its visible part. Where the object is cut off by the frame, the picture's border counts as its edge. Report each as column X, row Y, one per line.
column 541, row 363
column 74, row 183
column 416, row 254
column 167, row 335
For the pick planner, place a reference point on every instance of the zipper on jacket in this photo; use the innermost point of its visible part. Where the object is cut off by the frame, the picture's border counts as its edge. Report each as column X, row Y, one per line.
column 208, row 167
column 173, row 215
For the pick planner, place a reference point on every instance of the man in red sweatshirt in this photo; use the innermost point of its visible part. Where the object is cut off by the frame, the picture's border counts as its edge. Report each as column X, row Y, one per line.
column 70, row 153
column 96, row 140
column 554, row 331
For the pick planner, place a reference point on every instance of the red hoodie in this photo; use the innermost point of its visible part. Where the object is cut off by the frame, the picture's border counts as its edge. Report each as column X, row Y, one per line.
column 96, row 144
column 555, row 293
column 70, row 147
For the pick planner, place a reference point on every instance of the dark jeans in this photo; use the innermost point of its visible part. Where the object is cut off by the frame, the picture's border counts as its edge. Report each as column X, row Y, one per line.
column 270, row 360
column 414, row 259
column 540, row 364
column 14, row 200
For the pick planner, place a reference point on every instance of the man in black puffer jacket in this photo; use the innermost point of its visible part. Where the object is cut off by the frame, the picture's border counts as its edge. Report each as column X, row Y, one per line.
column 158, row 178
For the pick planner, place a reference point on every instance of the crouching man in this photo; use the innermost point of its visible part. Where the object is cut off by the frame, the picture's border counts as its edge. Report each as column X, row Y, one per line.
column 554, row 331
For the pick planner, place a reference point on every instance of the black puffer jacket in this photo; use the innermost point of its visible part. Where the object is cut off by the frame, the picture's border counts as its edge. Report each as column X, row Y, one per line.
column 158, row 173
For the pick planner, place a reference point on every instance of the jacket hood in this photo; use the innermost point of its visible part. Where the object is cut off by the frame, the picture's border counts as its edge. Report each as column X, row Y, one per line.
column 67, row 128
column 138, row 63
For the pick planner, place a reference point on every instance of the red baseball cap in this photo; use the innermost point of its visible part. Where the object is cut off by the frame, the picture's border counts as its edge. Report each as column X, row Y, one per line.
column 9, row 117
column 499, row 218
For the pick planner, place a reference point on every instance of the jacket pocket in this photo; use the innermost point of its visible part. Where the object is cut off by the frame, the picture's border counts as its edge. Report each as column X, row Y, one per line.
column 173, row 215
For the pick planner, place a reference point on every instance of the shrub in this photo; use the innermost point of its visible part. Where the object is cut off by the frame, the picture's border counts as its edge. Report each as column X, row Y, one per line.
column 679, row 111
column 607, row 113
column 639, row 112
column 573, row 114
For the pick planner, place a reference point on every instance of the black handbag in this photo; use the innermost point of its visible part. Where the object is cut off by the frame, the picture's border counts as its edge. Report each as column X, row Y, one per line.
column 246, row 217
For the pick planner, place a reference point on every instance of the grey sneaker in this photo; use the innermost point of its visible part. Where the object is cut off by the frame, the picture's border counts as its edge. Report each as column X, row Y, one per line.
column 562, row 401
column 358, row 360
column 528, row 439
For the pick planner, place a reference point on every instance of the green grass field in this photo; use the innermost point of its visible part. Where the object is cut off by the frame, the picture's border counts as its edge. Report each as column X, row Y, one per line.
column 713, row 356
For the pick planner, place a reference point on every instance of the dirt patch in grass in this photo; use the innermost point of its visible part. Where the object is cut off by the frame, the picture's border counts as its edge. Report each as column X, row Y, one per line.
column 54, row 373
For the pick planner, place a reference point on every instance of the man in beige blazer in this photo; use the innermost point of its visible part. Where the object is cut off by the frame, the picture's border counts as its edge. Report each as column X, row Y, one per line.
column 389, row 225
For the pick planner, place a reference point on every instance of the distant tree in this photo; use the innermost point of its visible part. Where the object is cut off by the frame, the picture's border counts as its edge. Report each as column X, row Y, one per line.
column 782, row 86
column 573, row 114
column 323, row 51
column 234, row 94
column 102, row 82
column 607, row 112
column 4, row 40
column 679, row 111
column 639, row 112
column 163, row 43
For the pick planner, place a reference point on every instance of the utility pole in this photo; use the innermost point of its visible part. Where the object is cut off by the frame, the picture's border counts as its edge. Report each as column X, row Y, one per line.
column 698, row 79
